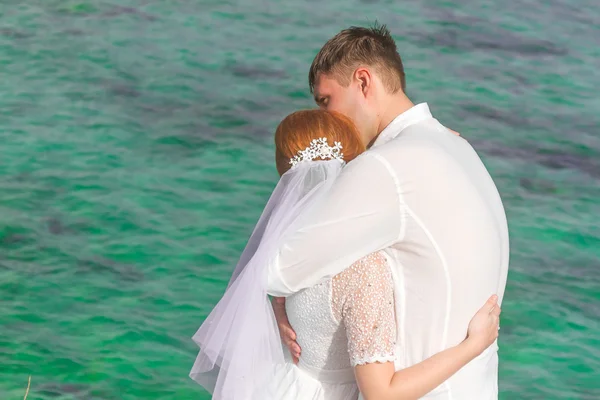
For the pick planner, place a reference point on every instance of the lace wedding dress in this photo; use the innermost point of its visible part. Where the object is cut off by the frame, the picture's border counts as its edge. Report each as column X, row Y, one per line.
column 346, row 321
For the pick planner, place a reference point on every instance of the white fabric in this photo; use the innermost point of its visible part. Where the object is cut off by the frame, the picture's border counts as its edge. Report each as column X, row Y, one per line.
column 362, row 298
column 422, row 194
column 240, row 347
column 345, row 321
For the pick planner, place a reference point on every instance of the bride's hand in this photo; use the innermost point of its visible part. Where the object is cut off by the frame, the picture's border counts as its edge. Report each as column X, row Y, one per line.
column 484, row 326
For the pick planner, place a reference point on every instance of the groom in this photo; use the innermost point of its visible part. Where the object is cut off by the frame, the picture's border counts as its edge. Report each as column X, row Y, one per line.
column 421, row 194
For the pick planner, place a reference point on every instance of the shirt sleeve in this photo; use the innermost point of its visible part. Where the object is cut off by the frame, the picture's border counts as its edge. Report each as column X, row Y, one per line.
column 362, row 214
column 368, row 310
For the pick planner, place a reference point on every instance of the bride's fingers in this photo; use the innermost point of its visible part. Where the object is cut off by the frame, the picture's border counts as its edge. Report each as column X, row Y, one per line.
column 492, row 303
column 496, row 322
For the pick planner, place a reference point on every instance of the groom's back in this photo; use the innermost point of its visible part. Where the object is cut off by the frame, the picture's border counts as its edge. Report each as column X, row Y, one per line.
column 453, row 254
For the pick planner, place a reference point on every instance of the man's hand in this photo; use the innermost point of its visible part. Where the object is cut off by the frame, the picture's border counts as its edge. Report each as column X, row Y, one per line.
column 288, row 336
column 456, row 133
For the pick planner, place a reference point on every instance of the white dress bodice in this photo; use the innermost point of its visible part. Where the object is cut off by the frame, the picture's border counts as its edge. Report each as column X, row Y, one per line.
column 343, row 322
column 321, row 336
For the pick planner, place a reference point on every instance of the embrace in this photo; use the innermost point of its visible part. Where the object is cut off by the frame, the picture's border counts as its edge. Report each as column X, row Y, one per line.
column 378, row 266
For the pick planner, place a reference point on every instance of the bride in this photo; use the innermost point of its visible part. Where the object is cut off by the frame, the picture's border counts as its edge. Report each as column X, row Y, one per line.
column 346, row 325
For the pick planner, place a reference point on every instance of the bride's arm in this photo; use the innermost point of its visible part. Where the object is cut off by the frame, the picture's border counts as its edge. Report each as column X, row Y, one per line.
column 379, row 381
column 368, row 314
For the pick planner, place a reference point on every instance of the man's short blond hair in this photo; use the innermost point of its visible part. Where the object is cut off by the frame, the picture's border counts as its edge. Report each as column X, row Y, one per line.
column 358, row 46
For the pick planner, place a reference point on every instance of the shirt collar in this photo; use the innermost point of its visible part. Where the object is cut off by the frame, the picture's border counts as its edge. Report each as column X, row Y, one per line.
column 412, row 116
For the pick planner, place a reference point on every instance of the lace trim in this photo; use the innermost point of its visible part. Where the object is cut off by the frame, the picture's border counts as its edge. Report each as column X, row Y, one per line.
column 319, row 148
column 380, row 358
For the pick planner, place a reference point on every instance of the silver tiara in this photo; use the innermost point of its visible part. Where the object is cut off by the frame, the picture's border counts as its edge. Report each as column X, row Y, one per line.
column 319, row 148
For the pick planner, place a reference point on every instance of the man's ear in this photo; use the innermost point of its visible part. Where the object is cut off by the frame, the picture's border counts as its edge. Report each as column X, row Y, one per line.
column 364, row 78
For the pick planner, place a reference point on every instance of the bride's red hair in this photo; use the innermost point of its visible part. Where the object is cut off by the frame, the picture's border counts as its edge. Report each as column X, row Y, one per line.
column 298, row 129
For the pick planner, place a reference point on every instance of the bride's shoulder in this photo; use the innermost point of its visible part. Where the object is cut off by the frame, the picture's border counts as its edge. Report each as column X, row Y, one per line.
column 373, row 267
column 366, row 282
column 373, row 261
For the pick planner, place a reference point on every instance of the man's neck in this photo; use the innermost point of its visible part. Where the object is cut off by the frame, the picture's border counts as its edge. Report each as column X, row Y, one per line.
column 396, row 104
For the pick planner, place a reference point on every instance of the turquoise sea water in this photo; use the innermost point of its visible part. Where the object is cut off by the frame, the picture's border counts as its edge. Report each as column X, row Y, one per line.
column 136, row 153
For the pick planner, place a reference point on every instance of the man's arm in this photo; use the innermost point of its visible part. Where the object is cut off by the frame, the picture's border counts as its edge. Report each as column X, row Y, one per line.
column 361, row 214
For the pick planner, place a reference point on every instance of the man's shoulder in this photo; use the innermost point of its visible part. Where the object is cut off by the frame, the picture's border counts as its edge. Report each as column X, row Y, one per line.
column 418, row 148
column 412, row 141
column 418, row 134
column 367, row 168
column 365, row 162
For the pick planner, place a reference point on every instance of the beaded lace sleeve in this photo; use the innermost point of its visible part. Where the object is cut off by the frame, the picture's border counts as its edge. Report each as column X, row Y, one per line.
column 363, row 300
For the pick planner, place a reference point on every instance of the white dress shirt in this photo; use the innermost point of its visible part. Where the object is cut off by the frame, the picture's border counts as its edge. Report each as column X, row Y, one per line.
column 423, row 196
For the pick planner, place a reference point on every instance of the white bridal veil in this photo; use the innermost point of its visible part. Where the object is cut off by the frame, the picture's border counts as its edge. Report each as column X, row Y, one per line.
column 240, row 347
